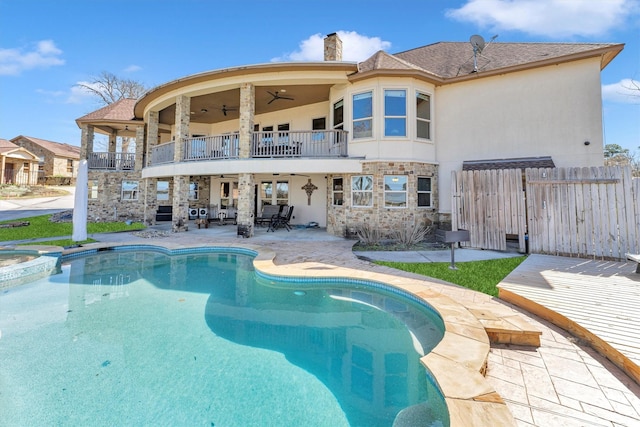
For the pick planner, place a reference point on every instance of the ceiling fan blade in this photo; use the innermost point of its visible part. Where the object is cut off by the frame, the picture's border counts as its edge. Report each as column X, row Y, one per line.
column 271, row 101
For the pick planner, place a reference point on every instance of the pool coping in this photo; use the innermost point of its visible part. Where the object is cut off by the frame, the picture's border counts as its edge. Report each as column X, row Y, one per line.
column 458, row 363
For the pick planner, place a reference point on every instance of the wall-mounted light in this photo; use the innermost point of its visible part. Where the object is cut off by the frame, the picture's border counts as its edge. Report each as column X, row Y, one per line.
column 204, row 110
column 587, row 143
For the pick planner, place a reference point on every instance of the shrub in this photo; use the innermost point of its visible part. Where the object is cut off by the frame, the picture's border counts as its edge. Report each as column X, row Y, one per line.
column 409, row 235
column 368, row 234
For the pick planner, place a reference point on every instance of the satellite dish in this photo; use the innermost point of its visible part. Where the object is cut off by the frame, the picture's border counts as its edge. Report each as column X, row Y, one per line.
column 477, row 42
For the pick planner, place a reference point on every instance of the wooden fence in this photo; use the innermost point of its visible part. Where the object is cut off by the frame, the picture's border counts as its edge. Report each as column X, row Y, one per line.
column 583, row 212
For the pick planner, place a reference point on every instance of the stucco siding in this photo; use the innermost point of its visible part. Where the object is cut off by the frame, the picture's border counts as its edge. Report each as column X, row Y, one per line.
column 548, row 111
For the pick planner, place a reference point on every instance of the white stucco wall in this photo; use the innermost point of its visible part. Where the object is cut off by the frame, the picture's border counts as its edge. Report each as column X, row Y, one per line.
column 548, row 111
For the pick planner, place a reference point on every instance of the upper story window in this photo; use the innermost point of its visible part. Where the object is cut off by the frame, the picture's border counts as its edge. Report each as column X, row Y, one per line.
column 338, row 115
column 129, row 190
column 423, row 115
column 363, row 115
column 424, row 192
column 395, row 112
column 395, row 191
column 362, row 190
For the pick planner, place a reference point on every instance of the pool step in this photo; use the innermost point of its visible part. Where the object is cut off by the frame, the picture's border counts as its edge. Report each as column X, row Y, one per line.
column 507, row 328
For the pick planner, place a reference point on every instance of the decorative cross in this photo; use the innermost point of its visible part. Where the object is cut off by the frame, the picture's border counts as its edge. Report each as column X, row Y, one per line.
column 309, row 188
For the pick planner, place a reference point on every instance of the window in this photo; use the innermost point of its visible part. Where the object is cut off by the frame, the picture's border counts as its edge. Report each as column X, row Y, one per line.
column 395, row 191
column 362, row 190
column 318, row 125
column 129, row 190
column 283, row 133
column 70, row 165
column 41, row 163
column 278, row 197
column 395, row 113
column 228, row 195
column 338, row 115
column 93, row 189
column 424, row 192
column 423, row 115
column 193, row 191
column 363, row 115
column 338, row 192
column 162, row 190
column 25, row 167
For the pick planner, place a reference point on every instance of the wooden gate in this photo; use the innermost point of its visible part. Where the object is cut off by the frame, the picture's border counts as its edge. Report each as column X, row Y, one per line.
column 490, row 204
column 584, row 212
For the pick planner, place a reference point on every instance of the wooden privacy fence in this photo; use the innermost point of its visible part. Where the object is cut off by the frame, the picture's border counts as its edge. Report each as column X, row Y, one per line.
column 585, row 212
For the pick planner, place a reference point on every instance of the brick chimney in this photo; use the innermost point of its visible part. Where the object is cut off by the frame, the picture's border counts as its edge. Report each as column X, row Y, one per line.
column 332, row 48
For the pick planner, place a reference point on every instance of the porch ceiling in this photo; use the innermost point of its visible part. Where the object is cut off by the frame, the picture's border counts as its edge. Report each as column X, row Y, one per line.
column 209, row 108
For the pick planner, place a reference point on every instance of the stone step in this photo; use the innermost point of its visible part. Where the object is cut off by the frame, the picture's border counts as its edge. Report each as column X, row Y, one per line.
column 507, row 328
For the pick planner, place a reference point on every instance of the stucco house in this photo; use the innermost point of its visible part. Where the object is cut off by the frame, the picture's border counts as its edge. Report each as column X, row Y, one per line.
column 346, row 143
column 56, row 160
column 18, row 166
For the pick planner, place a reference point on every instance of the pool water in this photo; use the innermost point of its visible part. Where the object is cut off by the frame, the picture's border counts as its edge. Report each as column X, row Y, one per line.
column 145, row 338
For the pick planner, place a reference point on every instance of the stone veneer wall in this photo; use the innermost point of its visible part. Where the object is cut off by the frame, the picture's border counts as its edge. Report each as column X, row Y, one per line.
column 109, row 205
column 345, row 217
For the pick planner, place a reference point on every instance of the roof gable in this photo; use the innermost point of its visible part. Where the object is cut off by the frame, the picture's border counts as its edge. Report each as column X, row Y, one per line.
column 57, row 148
column 117, row 111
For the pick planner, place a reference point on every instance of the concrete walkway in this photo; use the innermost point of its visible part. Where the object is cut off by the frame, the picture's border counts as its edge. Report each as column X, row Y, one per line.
column 564, row 382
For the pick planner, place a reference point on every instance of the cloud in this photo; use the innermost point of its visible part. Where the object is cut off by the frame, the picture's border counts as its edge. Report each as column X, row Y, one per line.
column 78, row 95
column 132, row 69
column 548, row 18
column 355, row 47
column 44, row 54
column 626, row 91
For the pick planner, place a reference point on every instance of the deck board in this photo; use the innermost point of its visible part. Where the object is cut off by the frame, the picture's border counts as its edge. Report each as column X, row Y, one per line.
column 602, row 297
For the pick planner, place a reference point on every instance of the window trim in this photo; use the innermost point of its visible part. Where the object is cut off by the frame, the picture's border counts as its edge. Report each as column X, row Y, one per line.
column 165, row 192
column 362, row 119
column 405, row 191
column 335, row 190
column 430, row 192
column 134, row 192
column 386, row 116
column 428, row 120
column 353, row 192
column 195, row 190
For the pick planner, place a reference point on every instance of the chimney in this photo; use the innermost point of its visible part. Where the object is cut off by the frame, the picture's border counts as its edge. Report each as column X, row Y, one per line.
column 332, row 48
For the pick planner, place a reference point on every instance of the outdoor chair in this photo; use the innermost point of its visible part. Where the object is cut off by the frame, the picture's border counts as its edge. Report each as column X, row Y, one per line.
column 267, row 214
column 282, row 219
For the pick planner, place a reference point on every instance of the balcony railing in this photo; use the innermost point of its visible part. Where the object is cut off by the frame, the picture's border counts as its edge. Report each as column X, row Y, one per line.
column 317, row 143
column 279, row 144
column 112, row 161
column 211, row 147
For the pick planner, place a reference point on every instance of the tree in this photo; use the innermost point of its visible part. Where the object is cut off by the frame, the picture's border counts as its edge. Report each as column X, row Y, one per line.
column 614, row 150
column 110, row 88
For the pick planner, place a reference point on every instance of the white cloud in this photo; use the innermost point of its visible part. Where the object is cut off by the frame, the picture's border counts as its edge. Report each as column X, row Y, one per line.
column 78, row 95
column 548, row 18
column 132, row 68
column 355, row 47
column 44, row 54
column 626, row 91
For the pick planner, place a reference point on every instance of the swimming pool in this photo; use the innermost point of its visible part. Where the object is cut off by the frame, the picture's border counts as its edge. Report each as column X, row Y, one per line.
column 198, row 338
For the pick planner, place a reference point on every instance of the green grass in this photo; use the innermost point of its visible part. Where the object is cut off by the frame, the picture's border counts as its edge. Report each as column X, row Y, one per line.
column 481, row 276
column 65, row 243
column 41, row 227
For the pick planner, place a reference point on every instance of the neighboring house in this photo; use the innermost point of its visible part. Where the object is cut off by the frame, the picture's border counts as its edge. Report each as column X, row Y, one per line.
column 347, row 143
column 55, row 159
column 18, row 166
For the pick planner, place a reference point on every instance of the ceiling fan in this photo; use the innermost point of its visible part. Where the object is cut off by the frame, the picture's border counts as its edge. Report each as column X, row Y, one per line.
column 278, row 96
column 226, row 109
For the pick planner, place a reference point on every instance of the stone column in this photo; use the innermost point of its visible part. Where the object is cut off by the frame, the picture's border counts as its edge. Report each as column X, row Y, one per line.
column 86, row 141
column 247, row 113
column 112, row 141
column 180, row 204
column 152, row 133
column 139, row 148
column 246, row 203
column 183, row 118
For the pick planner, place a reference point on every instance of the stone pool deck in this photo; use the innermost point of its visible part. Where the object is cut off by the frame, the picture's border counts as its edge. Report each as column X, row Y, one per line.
column 563, row 382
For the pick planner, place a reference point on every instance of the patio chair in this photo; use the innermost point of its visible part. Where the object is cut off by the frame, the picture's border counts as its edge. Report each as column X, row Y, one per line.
column 282, row 219
column 267, row 214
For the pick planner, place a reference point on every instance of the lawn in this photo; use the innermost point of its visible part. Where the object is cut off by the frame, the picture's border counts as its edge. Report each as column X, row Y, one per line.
column 40, row 227
column 481, row 276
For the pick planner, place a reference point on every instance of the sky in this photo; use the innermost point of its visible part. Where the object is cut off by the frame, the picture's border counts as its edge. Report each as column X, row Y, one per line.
column 49, row 47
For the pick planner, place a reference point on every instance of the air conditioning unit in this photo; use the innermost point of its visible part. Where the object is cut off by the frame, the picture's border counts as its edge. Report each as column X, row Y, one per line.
column 203, row 213
column 193, row 213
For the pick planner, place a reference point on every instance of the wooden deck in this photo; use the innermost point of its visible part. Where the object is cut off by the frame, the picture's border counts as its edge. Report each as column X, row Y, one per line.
column 597, row 301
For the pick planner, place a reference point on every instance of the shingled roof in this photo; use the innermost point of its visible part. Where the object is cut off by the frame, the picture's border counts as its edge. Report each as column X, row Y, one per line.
column 58, row 149
column 121, row 110
column 515, row 163
column 448, row 60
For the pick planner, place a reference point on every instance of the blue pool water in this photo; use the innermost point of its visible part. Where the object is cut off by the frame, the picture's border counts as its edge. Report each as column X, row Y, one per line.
column 198, row 339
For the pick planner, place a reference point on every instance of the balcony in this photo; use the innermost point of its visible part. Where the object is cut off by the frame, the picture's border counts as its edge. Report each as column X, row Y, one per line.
column 112, row 161
column 277, row 144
